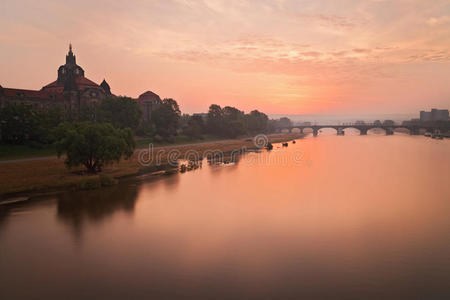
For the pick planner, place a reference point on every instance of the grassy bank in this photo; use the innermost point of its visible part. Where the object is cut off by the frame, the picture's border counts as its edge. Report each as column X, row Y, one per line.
column 37, row 175
column 11, row 152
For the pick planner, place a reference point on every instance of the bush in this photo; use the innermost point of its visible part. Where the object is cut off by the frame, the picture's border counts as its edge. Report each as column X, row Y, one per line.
column 91, row 183
column 107, row 180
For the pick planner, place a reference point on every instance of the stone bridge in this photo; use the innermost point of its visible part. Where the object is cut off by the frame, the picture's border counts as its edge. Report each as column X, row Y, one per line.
column 364, row 128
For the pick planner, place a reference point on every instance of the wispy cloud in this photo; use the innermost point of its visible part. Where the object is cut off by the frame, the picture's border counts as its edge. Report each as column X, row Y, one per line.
column 319, row 50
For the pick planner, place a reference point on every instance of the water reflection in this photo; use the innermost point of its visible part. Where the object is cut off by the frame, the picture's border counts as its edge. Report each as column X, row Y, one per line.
column 355, row 217
column 77, row 209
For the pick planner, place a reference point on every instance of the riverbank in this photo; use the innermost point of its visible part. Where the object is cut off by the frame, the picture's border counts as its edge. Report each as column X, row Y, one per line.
column 24, row 152
column 30, row 176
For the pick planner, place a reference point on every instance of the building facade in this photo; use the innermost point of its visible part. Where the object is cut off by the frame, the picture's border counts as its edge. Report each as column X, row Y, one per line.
column 71, row 91
column 434, row 115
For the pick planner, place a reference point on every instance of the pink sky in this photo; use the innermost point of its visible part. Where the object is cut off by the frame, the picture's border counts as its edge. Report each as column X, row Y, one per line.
column 278, row 56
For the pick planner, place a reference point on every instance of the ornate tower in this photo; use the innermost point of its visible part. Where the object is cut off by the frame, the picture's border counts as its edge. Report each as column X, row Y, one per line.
column 68, row 72
column 70, row 58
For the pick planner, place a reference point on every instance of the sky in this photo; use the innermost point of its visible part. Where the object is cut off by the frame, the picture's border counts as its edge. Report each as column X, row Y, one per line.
column 277, row 56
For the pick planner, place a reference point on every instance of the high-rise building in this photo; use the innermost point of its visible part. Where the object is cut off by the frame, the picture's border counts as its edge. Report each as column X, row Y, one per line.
column 439, row 114
column 434, row 115
column 425, row 116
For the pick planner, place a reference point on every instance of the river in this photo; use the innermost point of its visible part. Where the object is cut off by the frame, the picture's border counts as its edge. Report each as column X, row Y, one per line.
column 331, row 217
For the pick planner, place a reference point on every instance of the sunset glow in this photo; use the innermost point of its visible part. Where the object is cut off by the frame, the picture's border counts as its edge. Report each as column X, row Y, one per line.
column 281, row 56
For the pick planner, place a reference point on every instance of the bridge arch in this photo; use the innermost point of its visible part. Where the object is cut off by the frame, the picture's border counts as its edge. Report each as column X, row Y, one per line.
column 327, row 127
column 378, row 127
column 296, row 129
column 350, row 127
column 410, row 130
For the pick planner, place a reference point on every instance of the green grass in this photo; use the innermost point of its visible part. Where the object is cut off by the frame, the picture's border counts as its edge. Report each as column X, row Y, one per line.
column 179, row 140
column 8, row 152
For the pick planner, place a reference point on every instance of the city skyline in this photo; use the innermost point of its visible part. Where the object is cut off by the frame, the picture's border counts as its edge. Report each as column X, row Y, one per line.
column 280, row 57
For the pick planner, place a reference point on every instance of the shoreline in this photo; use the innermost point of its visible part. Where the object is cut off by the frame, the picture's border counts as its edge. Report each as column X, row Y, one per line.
column 27, row 178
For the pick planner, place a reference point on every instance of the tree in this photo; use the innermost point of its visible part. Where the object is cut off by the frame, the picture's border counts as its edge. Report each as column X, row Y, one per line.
column 48, row 120
column 93, row 145
column 234, row 122
column 274, row 125
column 19, row 124
column 121, row 112
column 285, row 122
column 257, row 121
column 194, row 127
column 165, row 118
column 214, row 120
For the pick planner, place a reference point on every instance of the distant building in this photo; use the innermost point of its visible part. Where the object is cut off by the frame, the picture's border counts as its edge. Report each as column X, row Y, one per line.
column 434, row 115
column 148, row 101
column 71, row 91
column 439, row 114
column 425, row 116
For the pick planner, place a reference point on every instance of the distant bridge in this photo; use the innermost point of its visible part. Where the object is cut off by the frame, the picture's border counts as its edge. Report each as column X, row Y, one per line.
column 364, row 128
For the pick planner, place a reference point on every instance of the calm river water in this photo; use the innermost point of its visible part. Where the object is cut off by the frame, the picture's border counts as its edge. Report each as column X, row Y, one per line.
column 332, row 217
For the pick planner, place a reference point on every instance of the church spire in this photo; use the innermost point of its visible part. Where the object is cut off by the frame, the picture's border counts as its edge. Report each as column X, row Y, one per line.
column 70, row 58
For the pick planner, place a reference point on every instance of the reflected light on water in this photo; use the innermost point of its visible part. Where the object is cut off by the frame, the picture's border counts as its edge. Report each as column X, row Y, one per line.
column 352, row 217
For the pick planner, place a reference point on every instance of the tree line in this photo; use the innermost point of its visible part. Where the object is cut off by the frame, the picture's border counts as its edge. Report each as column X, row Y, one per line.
column 106, row 132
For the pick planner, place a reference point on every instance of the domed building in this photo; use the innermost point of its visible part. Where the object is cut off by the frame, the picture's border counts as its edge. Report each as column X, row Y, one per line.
column 70, row 91
column 148, row 101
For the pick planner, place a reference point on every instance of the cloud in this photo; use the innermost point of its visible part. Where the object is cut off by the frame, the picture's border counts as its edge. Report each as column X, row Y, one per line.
column 361, row 50
column 435, row 21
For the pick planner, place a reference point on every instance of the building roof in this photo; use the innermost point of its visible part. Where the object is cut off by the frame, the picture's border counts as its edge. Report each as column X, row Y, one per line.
column 31, row 94
column 81, row 83
column 148, row 95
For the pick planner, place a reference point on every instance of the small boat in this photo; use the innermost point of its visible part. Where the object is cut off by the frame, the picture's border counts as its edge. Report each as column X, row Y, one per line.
column 428, row 134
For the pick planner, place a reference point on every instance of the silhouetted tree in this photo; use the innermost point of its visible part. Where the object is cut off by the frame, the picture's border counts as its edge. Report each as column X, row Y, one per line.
column 166, row 117
column 257, row 121
column 93, row 145
column 121, row 112
column 22, row 124
column 194, row 126
column 214, row 120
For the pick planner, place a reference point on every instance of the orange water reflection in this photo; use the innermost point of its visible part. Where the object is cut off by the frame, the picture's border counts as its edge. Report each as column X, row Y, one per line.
column 346, row 217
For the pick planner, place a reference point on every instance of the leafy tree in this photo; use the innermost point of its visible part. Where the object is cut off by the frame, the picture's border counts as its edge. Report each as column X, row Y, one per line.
column 48, row 120
column 93, row 145
column 215, row 119
column 166, row 117
column 121, row 112
column 274, row 125
column 257, row 121
column 234, row 122
column 88, row 113
column 284, row 122
column 19, row 124
column 146, row 129
column 194, row 127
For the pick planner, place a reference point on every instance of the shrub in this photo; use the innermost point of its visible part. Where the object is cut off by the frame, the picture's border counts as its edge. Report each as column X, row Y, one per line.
column 91, row 183
column 107, row 180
